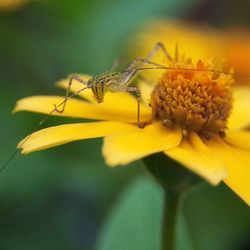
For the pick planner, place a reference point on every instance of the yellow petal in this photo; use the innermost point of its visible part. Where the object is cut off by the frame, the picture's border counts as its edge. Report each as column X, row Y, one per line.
column 237, row 162
column 80, row 109
column 238, row 138
column 240, row 116
column 146, row 90
column 114, row 101
column 195, row 155
column 58, row 135
column 195, row 42
column 76, row 86
column 125, row 147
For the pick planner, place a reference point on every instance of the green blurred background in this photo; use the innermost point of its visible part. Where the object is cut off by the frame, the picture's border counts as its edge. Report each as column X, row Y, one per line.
column 65, row 197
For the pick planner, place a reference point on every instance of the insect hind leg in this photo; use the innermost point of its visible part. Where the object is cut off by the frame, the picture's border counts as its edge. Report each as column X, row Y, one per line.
column 157, row 47
column 72, row 77
column 138, row 63
column 117, row 63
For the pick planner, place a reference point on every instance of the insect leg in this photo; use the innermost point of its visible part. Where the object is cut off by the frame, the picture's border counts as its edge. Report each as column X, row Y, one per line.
column 72, row 77
column 116, row 64
column 129, row 74
column 158, row 46
column 136, row 64
column 117, row 88
column 143, row 61
column 147, row 59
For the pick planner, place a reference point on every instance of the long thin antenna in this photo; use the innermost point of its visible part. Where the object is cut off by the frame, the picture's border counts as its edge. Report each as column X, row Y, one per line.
column 201, row 70
column 38, row 127
column 160, row 66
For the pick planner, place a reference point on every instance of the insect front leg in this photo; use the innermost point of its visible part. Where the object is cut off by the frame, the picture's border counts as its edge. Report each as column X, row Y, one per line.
column 72, row 77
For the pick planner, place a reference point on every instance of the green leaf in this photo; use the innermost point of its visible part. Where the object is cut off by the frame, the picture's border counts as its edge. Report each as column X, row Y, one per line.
column 135, row 220
column 217, row 219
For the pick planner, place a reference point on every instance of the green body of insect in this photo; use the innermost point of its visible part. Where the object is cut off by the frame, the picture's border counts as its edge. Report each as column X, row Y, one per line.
column 111, row 81
column 102, row 83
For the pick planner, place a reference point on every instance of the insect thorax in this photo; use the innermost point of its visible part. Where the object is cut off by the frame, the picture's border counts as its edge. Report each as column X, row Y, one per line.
column 100, row 84
column 108, row 77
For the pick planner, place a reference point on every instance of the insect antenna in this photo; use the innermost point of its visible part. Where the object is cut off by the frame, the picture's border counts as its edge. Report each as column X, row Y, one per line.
column 161, row 67
column 12, row 156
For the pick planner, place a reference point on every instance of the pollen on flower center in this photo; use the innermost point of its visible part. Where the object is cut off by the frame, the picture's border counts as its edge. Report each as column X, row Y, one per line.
column 198, row 100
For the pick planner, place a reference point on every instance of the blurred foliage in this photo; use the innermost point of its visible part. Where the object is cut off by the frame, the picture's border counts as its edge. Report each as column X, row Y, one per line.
column 7, row 5
column 135, row 221
column 142, row 203
column 58, row 199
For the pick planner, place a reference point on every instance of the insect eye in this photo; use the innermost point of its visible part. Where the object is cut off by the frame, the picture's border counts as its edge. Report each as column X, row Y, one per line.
column 89, row 82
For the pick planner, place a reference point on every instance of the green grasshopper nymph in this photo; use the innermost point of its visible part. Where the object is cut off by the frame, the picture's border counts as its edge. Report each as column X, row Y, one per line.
column 111, row 81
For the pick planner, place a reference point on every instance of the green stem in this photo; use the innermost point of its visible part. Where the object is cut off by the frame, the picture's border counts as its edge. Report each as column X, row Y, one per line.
column 172, row 204
column 176, row 182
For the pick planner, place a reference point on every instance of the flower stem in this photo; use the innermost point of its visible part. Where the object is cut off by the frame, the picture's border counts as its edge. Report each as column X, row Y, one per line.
column 176, row 182
column 172, row 205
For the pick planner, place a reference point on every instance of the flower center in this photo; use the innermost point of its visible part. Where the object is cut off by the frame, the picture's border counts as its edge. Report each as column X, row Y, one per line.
column 198, row 100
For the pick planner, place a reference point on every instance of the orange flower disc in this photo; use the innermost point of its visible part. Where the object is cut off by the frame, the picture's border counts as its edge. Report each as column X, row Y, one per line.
column 198, row 100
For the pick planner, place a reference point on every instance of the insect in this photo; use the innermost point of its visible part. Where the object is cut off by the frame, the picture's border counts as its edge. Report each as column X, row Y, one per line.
column 112, row 81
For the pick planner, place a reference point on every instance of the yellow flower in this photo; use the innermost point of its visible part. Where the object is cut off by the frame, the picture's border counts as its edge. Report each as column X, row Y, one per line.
column 201, row 41
column 11, row 4
column 236, row 50
column 194, row 117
